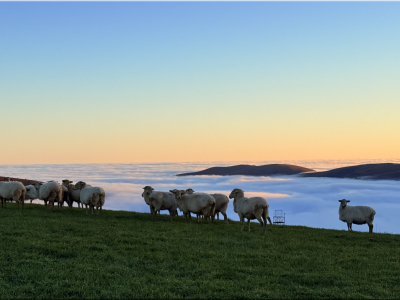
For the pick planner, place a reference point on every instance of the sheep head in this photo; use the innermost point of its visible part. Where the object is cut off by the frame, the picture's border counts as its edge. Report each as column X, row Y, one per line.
column 189, row 191
column 178, row 193
column 343, row 202
column 79, row 185
column 147, row 190
column 236, row 193
column 66, row 182
column 37, row 185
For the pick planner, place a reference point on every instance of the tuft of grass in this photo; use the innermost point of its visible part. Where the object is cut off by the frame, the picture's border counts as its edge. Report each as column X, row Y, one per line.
column 67, row 254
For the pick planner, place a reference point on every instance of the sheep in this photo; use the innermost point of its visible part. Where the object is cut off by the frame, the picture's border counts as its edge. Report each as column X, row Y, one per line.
column 13, row 190
column 73, row 194
column 198, row 203
column 30, row 192
column 92, row 196
column 250, row 208
column 160, row 201
column 356, row 215
column 48, row 192
column 221, row 203
column 65, row 196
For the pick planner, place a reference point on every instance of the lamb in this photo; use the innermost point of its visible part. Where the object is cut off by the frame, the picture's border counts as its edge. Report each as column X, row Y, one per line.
column 160, row 201
column 13, row 190
column 356, row 215
column 48, row 192
column 198, row 203
column 91, row 196
column 250, row 208
column 221, row 203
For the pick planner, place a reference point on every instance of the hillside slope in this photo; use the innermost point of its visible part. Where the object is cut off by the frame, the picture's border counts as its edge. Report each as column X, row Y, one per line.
column 119, row 254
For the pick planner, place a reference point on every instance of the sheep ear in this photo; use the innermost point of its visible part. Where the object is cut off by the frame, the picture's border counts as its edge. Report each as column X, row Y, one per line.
column 348, row 200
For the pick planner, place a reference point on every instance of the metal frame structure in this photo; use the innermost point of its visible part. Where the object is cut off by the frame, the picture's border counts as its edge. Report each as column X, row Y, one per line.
column 279, row 217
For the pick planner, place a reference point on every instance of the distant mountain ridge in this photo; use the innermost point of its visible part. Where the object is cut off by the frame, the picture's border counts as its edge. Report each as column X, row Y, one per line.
column 250, row 170
column 388, row 171
column 23, row 181
column 367, row 171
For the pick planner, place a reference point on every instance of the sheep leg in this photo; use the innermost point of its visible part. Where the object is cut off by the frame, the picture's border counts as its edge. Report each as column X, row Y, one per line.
column 269, row 219
column 225, row 217
column 349, row 227
column 241, row 221
column 262, row 223
column 371, row 226
column 248, row 223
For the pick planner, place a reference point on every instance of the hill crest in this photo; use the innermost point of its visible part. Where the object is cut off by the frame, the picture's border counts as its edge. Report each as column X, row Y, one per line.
column 251, row 170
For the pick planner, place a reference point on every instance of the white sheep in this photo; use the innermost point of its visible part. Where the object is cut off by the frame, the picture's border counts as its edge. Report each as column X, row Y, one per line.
column 250, row 208
column 30, row 192
column 221, row 203
column 160, row 201
column 73, row 194
column 356, row 215
column 92, row 196
column 198, row 203
column 48, row 192
column 12, row 190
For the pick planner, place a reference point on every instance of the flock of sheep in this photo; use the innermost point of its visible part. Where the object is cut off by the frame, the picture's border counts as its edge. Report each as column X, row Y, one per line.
column 250, row 208
column 53, row 192
column 202, row 204
column 207, row 205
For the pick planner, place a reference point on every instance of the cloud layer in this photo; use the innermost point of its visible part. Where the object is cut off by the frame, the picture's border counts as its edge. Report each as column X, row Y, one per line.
column 309, row 202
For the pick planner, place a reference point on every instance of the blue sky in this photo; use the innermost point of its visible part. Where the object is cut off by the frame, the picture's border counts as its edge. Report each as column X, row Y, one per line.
column 309, row 74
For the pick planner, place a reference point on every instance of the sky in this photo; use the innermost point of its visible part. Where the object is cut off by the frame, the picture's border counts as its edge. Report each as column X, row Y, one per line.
column 136, row 82
column 311, row 202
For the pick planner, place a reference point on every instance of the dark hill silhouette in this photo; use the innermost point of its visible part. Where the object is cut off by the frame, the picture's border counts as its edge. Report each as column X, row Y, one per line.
column 265, row 170
column 23, row 181
column 367, row 171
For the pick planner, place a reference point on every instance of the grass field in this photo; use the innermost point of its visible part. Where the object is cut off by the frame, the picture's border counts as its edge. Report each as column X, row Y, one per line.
column 119, row 254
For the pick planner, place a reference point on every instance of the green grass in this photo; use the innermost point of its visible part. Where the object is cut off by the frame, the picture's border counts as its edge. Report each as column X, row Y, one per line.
column 118, row 254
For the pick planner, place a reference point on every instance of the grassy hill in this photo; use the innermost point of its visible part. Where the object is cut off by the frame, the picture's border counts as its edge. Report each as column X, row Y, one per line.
column 119, row 254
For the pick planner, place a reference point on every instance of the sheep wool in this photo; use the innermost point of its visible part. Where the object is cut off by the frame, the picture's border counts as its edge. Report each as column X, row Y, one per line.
column 356, row 215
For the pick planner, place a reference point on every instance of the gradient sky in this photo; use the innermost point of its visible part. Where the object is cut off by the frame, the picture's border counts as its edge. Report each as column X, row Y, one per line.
column 120, row 82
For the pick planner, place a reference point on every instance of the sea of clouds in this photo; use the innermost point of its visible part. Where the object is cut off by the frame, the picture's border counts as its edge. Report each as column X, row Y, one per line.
column 311, row 202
